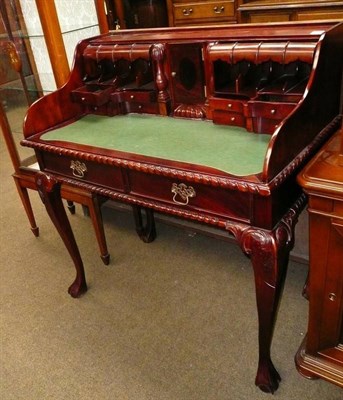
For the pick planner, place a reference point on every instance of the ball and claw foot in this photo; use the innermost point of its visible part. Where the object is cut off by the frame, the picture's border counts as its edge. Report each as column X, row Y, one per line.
column 267, row 378
column 77, row 289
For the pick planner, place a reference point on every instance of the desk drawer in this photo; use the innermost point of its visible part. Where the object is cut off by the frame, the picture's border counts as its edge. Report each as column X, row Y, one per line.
column 148, row 108
column 139, row 96
column 191, row 196
column 270, row 110
column 208, row 11
column 85, row 171
column 226, row 105
column 228, row 118
column 93, row 95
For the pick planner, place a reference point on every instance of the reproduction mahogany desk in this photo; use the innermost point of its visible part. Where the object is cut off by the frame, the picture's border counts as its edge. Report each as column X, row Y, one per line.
column 210, row 124
column 321, row 353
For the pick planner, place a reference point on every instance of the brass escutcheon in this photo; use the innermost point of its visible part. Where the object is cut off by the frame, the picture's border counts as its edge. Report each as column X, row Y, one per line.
column 218, row 10
column 79, row 168
column 187, row 11
column 184, row 192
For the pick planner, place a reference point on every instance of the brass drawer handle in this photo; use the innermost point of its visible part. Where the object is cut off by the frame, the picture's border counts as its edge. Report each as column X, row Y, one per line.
column 79, row 168
column 184, row 192
column 187, row 11
column 332, row 296
column 218, row 10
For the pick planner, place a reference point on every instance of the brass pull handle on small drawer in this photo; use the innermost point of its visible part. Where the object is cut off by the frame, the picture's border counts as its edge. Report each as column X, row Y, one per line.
column 79, row 168
column 182, row 191
column 187, row 11
column 218, row 10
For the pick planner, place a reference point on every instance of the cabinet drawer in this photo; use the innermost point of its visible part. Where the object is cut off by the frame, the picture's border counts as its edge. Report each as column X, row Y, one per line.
column 225, row 105
column 92, row 95
column 138, row 96
column 264, row 125
column 191, row 196
column 270, row 110
column 148, row 108
column 228, row 118
column 85, row 171
column 211, row 11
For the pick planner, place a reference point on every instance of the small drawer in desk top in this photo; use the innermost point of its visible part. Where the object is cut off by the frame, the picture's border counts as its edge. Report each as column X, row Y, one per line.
column 271, row 110
column 86, row 171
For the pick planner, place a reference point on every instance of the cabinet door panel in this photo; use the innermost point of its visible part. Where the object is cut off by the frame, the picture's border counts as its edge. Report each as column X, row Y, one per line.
column 311, row 15
column 187, row 75
column 269, row 17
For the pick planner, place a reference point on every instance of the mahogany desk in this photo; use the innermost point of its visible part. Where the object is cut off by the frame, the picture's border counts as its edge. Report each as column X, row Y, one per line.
column 210, row 124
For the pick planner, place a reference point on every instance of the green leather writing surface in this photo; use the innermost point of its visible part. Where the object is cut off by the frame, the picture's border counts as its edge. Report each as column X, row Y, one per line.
column 226, row 148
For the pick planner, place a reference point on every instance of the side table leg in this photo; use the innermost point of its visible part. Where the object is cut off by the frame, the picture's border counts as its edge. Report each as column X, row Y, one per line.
column 25, row 199
column 49, row 191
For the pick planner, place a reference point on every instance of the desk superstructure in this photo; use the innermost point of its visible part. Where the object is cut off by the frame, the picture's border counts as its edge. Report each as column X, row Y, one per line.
column 209, row 124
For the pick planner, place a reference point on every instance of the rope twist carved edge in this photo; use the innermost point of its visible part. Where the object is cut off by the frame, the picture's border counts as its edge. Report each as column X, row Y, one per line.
column 202, row 178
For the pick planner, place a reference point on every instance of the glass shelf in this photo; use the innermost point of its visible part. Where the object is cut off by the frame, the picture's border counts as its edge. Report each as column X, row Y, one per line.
column 17, row 84
column 78, row 28
column 31, row 82
column 25, row 35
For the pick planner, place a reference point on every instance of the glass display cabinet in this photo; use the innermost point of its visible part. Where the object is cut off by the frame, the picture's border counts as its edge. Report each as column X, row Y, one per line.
column 20, row 87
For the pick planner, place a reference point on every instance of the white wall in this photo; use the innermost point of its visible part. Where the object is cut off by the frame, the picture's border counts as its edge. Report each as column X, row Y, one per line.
column 78, row 20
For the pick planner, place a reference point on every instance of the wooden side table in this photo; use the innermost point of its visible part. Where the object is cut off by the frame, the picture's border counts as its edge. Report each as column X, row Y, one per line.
column 321, row 353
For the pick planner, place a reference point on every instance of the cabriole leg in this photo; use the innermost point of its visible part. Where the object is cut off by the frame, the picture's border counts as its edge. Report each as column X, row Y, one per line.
column 269, row 253
column 49, row 191
column 269, row 272
column 146, row 232
column 71, row 207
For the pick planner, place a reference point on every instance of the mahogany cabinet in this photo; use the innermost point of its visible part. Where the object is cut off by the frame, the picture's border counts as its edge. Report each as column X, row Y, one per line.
column 204, row 12
column 321, row 353
column 257, row 11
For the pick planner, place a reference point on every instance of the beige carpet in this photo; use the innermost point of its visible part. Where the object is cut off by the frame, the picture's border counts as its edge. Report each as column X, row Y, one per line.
column 170, row 320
